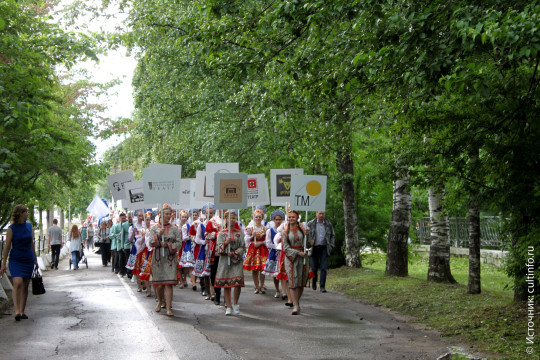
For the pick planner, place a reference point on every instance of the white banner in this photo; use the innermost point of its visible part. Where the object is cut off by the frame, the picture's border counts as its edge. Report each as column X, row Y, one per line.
column 117, row 181
column 185, row 193
column 193, row 202
column 257, row 190
column 201, row 180
column 280, row 184
column 134, row 195
column 231, row 191
column 162, row 183
column 308, row 192
column 217, row 168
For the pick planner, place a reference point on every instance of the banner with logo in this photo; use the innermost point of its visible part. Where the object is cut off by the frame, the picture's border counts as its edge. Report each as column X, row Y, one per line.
column 117, row 184
column 230, row 190
column 162, row 183
column 217, row 168
column 308, row 192
column 257, row 190
column 280, row 184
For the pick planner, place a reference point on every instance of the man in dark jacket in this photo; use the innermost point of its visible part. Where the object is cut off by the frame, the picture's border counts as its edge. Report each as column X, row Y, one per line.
column 322, row 233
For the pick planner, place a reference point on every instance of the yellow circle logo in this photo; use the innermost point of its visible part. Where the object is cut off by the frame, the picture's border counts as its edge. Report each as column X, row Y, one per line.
column 313, row 188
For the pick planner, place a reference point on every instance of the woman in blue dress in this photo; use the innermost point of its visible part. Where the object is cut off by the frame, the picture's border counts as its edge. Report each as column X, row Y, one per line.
column 22, row 258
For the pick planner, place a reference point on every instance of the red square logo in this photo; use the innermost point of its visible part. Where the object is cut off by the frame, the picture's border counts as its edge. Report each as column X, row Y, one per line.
column 252, row 183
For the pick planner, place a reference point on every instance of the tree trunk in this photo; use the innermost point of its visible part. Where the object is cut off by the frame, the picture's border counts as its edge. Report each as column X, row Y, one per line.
column 397, row 258
column 40, row 221
column 474, row 248
column 61, row 215
column 474, row 285
column 50, row 217
column 346, row 169
column 439, row 251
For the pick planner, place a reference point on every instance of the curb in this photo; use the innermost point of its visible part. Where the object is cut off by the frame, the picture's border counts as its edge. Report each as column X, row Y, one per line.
column 44, row 263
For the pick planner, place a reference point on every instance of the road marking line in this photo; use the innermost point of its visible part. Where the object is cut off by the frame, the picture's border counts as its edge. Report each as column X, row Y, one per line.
column 168, row 350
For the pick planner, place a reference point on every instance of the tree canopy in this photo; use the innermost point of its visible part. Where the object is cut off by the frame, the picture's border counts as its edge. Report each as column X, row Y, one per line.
column 348, row 88
column 45, row 118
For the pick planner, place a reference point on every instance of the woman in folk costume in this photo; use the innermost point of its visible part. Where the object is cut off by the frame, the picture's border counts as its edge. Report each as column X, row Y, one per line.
column 271, row 268
column 257, row 252
column 296, row 258
column 166, row 239
column 136, row 236
column 196, row 247
column 200, row 269
column 146, row 269
column 281, row 273
column 213, row 226
column 182, row 220
column 230, row 273
column 187, row 259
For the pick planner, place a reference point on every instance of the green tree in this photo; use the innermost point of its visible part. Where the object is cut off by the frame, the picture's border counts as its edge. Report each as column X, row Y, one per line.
column 44, row 144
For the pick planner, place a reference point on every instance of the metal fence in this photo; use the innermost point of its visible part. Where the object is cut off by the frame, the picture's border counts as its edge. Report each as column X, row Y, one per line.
column 491, row 234
column 40, row 243
column 2, row 242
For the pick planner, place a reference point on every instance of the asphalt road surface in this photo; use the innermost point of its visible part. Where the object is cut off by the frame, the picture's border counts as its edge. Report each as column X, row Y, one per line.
column 94, row 314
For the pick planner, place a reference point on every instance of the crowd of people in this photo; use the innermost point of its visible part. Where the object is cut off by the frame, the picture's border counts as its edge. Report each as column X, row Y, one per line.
column 209, row 249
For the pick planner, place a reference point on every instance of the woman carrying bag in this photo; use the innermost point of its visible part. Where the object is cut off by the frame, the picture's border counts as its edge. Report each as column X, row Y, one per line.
column 22, row 258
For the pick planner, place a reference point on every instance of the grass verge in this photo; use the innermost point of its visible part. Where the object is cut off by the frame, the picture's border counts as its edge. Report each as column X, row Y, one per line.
column 491, row 321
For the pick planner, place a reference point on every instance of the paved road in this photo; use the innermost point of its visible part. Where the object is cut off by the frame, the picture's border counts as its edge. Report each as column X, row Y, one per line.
column 94, row 314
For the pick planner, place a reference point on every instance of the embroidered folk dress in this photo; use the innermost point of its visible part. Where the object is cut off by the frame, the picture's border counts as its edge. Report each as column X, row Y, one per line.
column 165, row 259
column 200, row 250
column 271, row 268
column 256, row 257
column 146, row 271
column 139, row 233
column 297, row 270
column 187, row 259
column 210, row 233
column 232, row 275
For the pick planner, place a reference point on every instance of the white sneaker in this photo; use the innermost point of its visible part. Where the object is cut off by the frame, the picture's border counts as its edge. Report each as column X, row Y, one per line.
column 228, row 312
column 236, row 309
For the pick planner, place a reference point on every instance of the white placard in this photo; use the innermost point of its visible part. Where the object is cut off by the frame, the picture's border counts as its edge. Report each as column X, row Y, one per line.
column 117, row 183
column 231, row 191
column 257, row 190
column 201, row 180
column 280, row 184
column 134, row 195
column 194, row 203
column 162, row 183
column 217, row 168
column 308, row 192
column 185, row 193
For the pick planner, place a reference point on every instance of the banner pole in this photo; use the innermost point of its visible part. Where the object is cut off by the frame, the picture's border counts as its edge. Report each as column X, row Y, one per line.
column 229, row 245
column 305, row 239
column 163, row 235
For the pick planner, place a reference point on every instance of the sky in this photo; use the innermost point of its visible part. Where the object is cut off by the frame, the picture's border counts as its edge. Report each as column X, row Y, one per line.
column 115, row 65
column 119, row 99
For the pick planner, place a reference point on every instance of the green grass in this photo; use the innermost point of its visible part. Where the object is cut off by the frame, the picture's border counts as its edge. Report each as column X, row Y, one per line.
column 491, row 321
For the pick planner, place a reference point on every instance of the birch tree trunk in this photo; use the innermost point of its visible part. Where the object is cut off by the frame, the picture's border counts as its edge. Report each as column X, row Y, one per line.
column 439, row 251
column 397, row 256
column 346, row 169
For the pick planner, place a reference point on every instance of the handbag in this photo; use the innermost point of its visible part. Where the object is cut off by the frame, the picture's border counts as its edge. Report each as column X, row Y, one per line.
column 37, row 283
